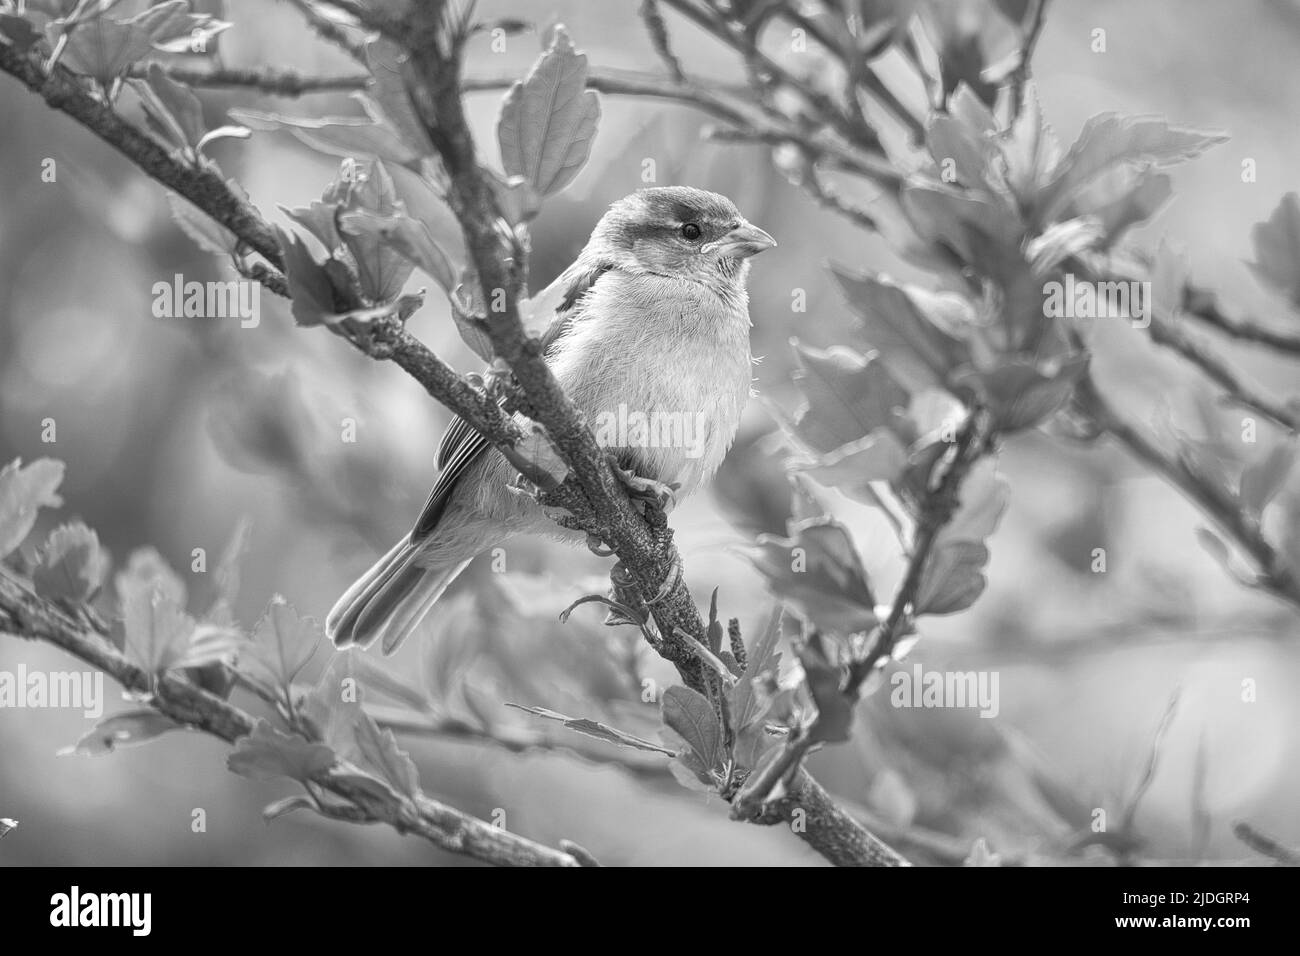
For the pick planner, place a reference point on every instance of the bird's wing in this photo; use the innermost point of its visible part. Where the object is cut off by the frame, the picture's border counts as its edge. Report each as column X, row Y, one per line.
column 462, row 445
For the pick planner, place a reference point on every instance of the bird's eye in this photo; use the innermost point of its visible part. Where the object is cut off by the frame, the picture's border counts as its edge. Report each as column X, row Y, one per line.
column 691, row 231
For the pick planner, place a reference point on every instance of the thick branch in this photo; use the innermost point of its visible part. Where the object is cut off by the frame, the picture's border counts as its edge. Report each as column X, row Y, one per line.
column 368, row 799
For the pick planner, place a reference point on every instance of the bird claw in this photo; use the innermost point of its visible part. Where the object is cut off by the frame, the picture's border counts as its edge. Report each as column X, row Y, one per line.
column 670, row 581
column 656, row 495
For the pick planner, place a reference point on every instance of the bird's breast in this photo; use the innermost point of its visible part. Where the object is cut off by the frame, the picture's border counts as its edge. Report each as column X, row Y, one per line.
column 661, row 368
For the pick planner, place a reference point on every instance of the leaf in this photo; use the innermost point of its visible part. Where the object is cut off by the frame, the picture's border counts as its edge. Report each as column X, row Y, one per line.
column 172, row 109
column 23, row 492
column 104, row 47
column 1108, row 140
column 983, row 500
column 127, row 729
column 689, row 714
column 331, row 710
column 471, row 326
column 7, row 825
column 147, row 570
column 382, row 271
column 851, row 468
column 548, row 120
column 1019, row 393
column 309, row 284
column 283, row 643
column 1277, row 248
column 536, row 447
column 385, row 59
column 592, row 728
column 380, row 750
column 348, row 137
column 267, row 753
column 71, row 565
column 847, row 396
column 746, row 706
column 226, row 574
column 953, row 578
column 1122, row 198
column 818, row 571
column 824, row 680
column 515, row 197
column 208, row 234
column 1263, row 478
column 1061, row 241
column 1030, row 150
column 278, row 808
column 407, row 238
column 916, row 351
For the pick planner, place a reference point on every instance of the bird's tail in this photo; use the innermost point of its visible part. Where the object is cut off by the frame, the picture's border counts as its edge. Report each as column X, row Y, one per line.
column 388, row 602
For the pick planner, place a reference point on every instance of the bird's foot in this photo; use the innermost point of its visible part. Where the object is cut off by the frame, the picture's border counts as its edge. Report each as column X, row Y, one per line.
column 651, row 495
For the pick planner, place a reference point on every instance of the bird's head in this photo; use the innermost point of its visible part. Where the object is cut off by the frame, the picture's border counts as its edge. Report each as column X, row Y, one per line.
column 679, row 231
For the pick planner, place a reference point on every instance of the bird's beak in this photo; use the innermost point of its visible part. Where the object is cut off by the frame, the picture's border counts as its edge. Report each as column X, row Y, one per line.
column 744, row 241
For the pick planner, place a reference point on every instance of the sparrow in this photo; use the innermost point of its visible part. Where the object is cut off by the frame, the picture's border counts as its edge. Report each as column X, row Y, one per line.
column 650, row 338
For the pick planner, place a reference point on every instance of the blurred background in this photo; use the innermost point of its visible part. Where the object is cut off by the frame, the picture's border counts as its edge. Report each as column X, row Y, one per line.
column 175, row 430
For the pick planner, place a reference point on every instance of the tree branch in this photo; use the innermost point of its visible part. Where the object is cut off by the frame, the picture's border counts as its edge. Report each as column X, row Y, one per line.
column 273, row 82
column 366, row 798
column 1216, row 503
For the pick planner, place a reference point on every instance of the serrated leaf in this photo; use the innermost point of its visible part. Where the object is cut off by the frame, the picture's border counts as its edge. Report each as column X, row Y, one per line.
column 146, row 570
column 23, row 492
column 331, row 710
column 690, row 715
column 208, row 234
column 818, row 571
column 847, row 396
column 105, row 47
column 1263, row 479
column 121, row 730
column 548, row 120
column 71, row 565
column 267, row 753
column 593, row 728
column 158, row 631
column 283, row 643
column 1108, row 140
column 1277, row 248
column 381, row 270
column 379, row 749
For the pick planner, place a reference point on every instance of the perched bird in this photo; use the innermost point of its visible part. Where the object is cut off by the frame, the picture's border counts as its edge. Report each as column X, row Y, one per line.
column 651, row 341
